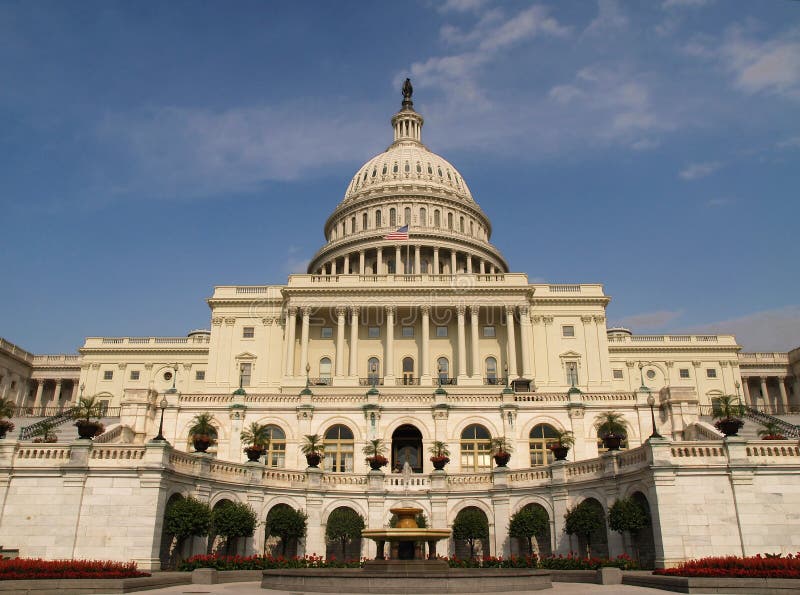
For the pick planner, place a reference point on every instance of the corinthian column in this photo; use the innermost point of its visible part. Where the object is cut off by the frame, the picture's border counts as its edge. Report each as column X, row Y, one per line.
column 354, row 341
column 525, row 337
column 388, row 365
column 291, row 328
column 476, row 351
column 304, row 339
column 340, row 313
column 426, row 337
column 512, row 343
column 462, row 344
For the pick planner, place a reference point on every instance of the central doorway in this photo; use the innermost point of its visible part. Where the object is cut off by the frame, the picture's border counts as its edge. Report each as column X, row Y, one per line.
column 407, row 447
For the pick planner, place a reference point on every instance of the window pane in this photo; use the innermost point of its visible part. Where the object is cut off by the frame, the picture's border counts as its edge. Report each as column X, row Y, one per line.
column 488, row 331
column 568, row 330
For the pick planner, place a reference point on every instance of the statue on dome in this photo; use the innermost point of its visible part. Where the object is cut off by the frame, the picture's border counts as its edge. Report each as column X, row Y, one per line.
column 407, row 91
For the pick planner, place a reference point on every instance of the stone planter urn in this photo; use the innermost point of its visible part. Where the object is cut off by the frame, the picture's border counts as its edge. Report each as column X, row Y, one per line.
column 729, row 426
column 253, row 453
column 201, row 443
column 612, row 441
column 313, row 459
column 375, row 463
column 88, row 429
column 502, row 458
column 560, row 452
column 439, row 462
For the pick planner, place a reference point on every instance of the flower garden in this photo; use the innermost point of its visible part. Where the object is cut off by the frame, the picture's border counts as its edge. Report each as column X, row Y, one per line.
column 35, row 568
column 758, row 566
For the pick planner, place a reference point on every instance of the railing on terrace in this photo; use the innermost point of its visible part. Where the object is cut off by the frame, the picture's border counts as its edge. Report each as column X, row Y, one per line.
column 496, row 381
column 58, row 359
column 200, row 340
column 766, row 357
column 371, row 381
column 416, row 481
column 683, row 339
column 15, row 350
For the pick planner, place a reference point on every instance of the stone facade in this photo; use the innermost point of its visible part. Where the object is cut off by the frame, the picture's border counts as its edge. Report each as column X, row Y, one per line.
column 429, row 338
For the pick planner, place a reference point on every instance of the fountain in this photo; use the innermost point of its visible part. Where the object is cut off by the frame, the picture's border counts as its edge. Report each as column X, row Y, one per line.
column 408, row 569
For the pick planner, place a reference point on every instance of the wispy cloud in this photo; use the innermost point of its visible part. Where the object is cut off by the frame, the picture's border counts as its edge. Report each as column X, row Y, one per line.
column 189, row 152
column 296, row 261
column 668, row 4
column 789, row 143
column 696, row 171
column 766, row 330
column 719, row 202
column 610, row 17
column 650, row 320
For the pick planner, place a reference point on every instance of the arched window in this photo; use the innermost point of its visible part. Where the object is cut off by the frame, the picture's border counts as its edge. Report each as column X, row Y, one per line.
column 338, row 449
column 491, row 370
column 392, row 217
column 352, row 225
column 476, row 450
column 325, row 370
column 443, row 369
column 276, row 448
column 364, row 221
column 378, row 222
column 423, row 217
column 541, row 437
column 471, row 229
column 373, row 370
column 407, row 216
column 437, row 218
column 408, row 370
column 449, row 220
column 572, row 373
column 343, row 229
column 461, row 225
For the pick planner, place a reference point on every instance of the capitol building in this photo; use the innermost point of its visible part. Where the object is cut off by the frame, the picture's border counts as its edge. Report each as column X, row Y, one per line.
column 409, row 326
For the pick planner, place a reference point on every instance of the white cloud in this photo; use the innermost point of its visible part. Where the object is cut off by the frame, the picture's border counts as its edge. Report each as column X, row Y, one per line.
column 296, row 262
column 461, row 5
column 609, row 17
column 699, row 170
column 667, row 4
column 188, row 152
column 650, row 320
column 767, row 330
column 565, row 93
column 789, row 143
column 771, row 66
column 645, row 144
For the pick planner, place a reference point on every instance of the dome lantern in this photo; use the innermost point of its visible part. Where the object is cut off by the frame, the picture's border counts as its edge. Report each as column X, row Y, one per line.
column 407, row 123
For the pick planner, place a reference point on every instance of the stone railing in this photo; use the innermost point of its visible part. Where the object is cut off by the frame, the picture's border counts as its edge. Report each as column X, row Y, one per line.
column 469, row 480
column 530, row 476
column 458, row 280
column 61, row 359
column 585, row 469
column 16, row 351
column 416, row 481
column 772, row 357
column 199, row 341
column 333, row 480
column 117, row 453
column 47, row 454
column 723, row 340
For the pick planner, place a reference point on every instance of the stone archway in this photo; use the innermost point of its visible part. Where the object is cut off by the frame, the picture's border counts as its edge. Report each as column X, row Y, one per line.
column 274, row 545
column 166, row 552
column 480, row 545
column 215, row 542
column 642, row 541
column 407, row 446
column 352, row 546
column 598, row 539
column 541, row 543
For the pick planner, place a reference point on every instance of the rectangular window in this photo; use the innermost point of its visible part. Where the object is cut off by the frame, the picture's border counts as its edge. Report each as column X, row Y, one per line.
column 441, row 331
column 246, row 371
column 248, row 332
column 711, row 373
column 374, row 332
column 108, row 374
column 408, row 331
column 684, row 372
column 618, row 375
column 567, row 330
column 488, row 331
column 200, row 375
column 572, row 373
column 326, row 332
column 134, row 374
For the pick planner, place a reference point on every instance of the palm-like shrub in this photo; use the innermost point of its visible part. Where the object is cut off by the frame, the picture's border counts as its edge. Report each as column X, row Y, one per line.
column 770, row 431
column 256, row 436
column 202, row 428
column 88, row 409
column 7, row 408
column 611, row 423
column 313, row 445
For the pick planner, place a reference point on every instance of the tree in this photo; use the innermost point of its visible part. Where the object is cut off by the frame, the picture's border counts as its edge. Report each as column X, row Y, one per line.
column 628, row 514
column 529, row 522
column 584, row 519
column 344, row 525
column 184, row 518
column 470, row 525
column 232, row 520
column 286, row 523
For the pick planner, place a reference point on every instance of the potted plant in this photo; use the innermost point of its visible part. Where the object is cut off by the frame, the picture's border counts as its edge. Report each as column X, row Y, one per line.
column 375, row 450
column 501, row 449
column 612, row 429
column 770, row 431
column 87, row 413
column 202, row 432
column 256, row 440
column 44, row 432
column 440, row 455
column 726, row 411
column 560, row 448
column 6, row 410
column 313, row 448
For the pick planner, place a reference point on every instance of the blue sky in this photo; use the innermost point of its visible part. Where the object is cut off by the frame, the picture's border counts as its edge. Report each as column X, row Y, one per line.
column 149, row 151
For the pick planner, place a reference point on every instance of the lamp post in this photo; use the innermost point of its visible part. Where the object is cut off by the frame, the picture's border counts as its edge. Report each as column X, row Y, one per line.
column 651, row 401
column 163, row 405
column 173, row 390
column 307, row 390
column 507, row 390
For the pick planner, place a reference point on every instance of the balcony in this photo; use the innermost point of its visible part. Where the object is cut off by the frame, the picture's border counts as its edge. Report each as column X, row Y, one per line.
column 496, row 381
column 372, row 380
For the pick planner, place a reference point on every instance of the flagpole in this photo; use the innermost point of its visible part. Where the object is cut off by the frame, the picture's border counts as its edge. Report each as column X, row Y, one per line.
column 408, row 247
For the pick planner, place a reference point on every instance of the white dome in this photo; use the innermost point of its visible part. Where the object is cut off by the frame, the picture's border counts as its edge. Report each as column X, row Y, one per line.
column 408, row 163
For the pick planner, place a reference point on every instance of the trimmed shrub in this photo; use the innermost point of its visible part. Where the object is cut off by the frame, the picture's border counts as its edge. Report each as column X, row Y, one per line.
column 758, row 566
column 36, row 569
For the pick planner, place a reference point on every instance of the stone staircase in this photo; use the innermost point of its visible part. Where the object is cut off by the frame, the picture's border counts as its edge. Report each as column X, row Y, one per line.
column 789, row 424
column 64, row 428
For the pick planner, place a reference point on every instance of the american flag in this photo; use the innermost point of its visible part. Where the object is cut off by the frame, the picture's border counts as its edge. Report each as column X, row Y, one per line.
column 400, row 234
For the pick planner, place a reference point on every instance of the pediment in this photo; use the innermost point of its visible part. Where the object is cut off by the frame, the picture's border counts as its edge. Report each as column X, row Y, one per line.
column 246, row 355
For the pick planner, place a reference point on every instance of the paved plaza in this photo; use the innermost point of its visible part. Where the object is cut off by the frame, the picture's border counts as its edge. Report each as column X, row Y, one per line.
column 254, row 588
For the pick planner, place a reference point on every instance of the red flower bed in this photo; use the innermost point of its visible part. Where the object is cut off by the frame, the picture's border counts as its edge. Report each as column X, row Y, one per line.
column 758, row 566
column 36, row 568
